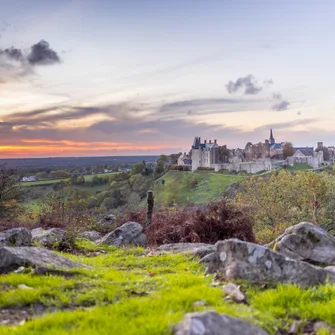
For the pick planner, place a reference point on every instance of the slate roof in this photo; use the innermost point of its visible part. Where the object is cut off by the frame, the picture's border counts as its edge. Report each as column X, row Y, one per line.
column 304, row 148
column 307, row 153
column 276, row 146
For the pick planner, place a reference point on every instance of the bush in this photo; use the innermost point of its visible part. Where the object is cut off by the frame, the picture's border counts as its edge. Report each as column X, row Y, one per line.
column 209, row 224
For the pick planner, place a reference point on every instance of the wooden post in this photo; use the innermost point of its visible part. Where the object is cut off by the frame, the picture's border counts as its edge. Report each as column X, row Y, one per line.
column 150, row 204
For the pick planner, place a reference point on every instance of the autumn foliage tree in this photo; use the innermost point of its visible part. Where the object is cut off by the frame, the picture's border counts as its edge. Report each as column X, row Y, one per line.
column 288, row 149
column 282, row 198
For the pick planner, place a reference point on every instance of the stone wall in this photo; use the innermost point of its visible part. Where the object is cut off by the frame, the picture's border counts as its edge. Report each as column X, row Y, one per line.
column 249, row 167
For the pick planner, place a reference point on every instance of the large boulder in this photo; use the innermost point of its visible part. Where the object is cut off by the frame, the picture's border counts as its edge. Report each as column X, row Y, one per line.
column 129, row 233
column 235, row 259
column 48, row 238
column 196, row 249
column 13, row 257
column 212, row 323
column 15, row 237
column 91, row 235
column 307, row 242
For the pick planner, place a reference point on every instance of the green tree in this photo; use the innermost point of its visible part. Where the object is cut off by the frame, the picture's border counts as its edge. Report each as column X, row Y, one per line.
column 77, row 179
column 137, row 168
column 10, row 194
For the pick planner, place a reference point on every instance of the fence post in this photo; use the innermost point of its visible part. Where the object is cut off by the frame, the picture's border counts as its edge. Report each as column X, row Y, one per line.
column 150, row 206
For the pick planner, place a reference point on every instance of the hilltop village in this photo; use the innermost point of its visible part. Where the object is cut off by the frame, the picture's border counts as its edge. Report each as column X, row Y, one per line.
column 254, row 157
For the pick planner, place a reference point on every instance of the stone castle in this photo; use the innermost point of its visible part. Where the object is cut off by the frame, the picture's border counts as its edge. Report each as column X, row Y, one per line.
column 252, row 159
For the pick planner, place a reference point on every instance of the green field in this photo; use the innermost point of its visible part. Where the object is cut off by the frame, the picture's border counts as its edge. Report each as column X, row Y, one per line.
column 88, row 178
column 186, row 188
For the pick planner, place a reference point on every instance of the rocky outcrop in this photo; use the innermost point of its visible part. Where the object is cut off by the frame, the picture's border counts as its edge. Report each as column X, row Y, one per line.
column 235, row 259
column 48, row 238
column 12, row 258
column 212, row 323
column 196, row 249
column 15, row 237
column 307, row 242
column 91, row 235
column 130, row 233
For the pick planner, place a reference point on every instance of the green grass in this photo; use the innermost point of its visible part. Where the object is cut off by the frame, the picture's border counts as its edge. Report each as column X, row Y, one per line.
column 127, row 292
column 87, row 178
column 184, row 188
column 299, row 167
column 42, row 182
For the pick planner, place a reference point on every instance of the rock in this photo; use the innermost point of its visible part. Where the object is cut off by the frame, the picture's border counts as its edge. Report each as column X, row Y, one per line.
column 129, row 233
column 24, row 287
column 208, row 258
column 330, row 269
column 200, row 303
column 195, row 249
column 91, row 235
column 308, row 242
column 49, row 237
column 235, row 259
column 295, row 328
column 212, row 323
column 15, row 237
column 233, row 291
column 13, row 257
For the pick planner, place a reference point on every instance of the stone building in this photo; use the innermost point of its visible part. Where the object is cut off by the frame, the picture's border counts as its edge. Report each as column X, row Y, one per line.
column 267, row 149
column 184, row 160
column 204, row 154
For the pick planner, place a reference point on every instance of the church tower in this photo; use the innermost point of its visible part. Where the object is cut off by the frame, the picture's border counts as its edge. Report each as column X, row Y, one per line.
column 272, row 140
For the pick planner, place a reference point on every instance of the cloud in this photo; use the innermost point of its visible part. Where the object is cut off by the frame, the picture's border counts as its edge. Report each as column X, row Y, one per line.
column 281, row 106
column 16, row 63
column 277, row 96
column 246, row 85
column 13, row 54
column 285, row 125
column 41, row 54
column 215, row 105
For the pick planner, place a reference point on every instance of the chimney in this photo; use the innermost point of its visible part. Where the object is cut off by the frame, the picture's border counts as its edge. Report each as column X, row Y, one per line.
column 210, row 141
column 199, row 139
column 205, row 141
column 215, row 141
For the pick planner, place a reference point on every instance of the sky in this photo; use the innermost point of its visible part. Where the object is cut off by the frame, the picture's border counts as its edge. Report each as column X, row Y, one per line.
column 129, row 77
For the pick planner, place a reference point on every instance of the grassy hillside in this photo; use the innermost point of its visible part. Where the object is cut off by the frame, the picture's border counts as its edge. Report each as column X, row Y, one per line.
column 185, row 188
column 129, row 292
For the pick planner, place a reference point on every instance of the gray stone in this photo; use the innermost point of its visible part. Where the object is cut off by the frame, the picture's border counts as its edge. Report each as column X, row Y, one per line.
column 12, row 258
column 235, row 259
column 208, row 258
column 129, row 233
column 49, row 237
column 91, row 235
column 15, row 237
column 234, row 292
column 212, row 323
column 308, row 242
column 195, row 249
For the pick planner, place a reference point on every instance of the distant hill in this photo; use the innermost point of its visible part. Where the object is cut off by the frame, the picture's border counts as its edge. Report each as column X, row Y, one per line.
column 73, row 162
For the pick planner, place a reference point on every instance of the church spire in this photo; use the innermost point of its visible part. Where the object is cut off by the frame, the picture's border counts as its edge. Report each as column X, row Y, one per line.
column 272, row 140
